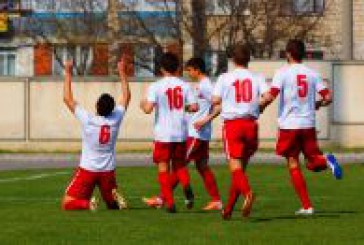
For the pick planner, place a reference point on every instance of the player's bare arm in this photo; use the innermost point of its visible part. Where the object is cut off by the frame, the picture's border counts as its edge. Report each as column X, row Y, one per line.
column 146, row 106
column 265, row 100
column 124, row 99
column 216, row 109
column 67, row 87
column 325, row 100
column 192, row 108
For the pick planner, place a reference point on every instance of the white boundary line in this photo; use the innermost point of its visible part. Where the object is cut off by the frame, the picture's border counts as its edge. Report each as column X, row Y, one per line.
column 33, row 177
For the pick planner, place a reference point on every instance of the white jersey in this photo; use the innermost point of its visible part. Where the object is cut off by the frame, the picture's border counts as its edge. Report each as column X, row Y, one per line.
column 240, row 91
column 298, row 86
column 170, row 95
column 203, row 92
column 99, row 135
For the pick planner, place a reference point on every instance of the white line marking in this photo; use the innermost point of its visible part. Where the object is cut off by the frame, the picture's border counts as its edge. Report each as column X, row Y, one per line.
column 32, row 177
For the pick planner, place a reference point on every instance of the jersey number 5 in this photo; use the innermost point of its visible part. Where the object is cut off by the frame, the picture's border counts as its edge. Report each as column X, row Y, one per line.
column 243, row 91
column 302, row 86
column 105, row 133
column 175, row 98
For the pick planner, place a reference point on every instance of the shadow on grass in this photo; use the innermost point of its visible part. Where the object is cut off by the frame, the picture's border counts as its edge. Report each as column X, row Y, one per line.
column 317, row 215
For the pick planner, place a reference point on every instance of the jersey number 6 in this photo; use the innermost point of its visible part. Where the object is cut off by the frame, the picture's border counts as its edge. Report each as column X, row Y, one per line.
column 105, row 133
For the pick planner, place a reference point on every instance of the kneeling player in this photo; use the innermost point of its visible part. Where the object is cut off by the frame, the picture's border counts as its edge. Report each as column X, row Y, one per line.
column 298, row 87
column 99, row 135
column 239, row 93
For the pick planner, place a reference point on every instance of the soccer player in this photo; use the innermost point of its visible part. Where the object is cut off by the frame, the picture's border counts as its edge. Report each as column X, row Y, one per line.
column 172, row 98
column 239, row 93
column 299, row 87
column 199, row 135
column 99, row 135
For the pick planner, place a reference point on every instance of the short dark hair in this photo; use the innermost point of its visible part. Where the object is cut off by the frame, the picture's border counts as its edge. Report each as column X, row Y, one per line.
column 196, row 63
column 297, row 49
column 169, row 62
column 241, row 54
column 105, row 105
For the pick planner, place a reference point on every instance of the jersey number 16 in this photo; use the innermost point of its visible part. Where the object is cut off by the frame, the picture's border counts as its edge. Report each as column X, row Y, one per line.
column 175, row 98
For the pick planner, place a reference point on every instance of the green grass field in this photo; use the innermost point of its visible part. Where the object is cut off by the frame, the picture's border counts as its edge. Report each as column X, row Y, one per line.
column 30, row 211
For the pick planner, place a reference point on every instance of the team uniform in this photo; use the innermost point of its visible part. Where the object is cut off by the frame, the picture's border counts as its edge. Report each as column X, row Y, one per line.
column 299, row 86
column 198, row 140
column 98, row 158
column 170, row 95
column 240, row 91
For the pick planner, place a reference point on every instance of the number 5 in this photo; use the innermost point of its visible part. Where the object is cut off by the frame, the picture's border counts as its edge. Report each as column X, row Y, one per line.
column 302, row 86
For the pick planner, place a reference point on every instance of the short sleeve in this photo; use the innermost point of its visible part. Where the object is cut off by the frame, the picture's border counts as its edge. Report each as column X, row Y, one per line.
column 152, row 94
column 217, row 91
column 263, row 86
column 190, row 96
column 119, row 112
column 81, row 114
column 277, row 81
column 320, row 84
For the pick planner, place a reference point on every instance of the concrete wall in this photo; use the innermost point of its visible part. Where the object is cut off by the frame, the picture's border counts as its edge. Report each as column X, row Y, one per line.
column 34, row 117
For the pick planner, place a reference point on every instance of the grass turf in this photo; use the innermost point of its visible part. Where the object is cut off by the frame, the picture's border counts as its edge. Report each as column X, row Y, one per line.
column 30, row 213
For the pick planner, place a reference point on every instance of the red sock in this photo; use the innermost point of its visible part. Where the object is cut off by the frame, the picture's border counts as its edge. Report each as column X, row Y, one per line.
column 316, row 163
column 166, row 188
column 173, row 179
column 233, row 197
column 299, row 185
column 76, row 205
column 210, row 184
column 241, row 182
column 183, row 176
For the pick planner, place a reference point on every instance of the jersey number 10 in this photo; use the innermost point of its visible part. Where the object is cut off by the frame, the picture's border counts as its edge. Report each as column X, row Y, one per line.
column 175, row 98
column 105, row 133
column 243, row 91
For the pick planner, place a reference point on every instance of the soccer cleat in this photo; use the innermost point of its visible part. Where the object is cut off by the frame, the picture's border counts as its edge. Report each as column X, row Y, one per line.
column 305, row 212
column 334, row 165
column 226, row 215
column 94, row 204
column 190, row 197
column 248, row 204
column 153, row 202
column 213, row 205
column 119, row 199
column 172, row 209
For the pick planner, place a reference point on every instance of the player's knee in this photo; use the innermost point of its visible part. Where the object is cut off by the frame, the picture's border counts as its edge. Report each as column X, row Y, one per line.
column 292, row 162
column 163, row 167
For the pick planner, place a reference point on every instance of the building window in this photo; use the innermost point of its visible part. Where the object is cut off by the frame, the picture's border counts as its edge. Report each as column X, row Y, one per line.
column 82, row 57
column 223, row 7
column 7, row 63
column 144, row 61
column 299, row 7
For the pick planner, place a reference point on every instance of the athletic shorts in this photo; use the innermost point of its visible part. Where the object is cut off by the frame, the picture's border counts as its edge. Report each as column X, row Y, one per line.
column 169, row 152
column 291, row 142
column 197, row 149
column 84, row 182
column 240, row 138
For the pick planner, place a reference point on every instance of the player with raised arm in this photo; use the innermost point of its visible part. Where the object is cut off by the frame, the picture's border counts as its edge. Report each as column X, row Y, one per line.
column 99, row 135
column 239, row 92
column 299, row 88
column 171, row 98
column 199, row 135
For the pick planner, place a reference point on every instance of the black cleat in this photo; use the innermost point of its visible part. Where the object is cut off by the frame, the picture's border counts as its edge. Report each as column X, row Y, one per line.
column 190, row 197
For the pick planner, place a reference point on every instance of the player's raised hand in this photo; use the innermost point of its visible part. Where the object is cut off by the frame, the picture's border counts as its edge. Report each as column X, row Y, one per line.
column 122, row 67
column 68, row 66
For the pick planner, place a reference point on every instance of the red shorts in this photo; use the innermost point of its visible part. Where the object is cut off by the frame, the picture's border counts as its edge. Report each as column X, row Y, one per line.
column 291, row 142
column 169, row 151
column 84, row 182
column 240, row 138
column 197, row 149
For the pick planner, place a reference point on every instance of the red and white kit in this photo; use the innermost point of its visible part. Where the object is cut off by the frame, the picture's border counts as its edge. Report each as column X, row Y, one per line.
column 240, row 91
column 97, row 165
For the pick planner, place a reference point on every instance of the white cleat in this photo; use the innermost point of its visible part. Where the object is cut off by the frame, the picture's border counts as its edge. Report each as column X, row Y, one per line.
column 94, row 204
column 305, row 212
column 119, row 199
